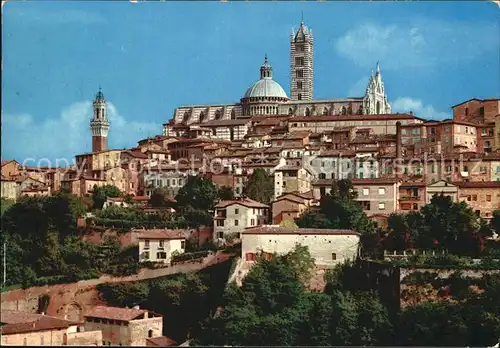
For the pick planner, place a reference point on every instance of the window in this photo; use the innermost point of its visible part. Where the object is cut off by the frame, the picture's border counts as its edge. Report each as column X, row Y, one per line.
column 236, row 222
column 300, row 48
column 488, row 198
column 41, row 341
column 183, row 244
column 299, row 74
column 146, row 255
column 220, row 235
column 299, row 97
column 334, row 256
column 381, row 206
column 366, row 191
column 252, row 222
column 162, row 243
column 466, row 111
column 299, row 85
column 322, row 176
column 220, row 223
column 381, row 191
column 481, row 111
column 474, row 197
column 236, row 211
column 146, row 244
column 253, row 211
column 161, row 255
column 150, row 333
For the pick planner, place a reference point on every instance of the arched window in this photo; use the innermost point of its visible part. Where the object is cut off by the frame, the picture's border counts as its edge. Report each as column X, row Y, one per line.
column 325, row 111
column 185, row 118
column 344, row 111
column 218, row 115
column 378, row 108
column 233, row 114
column 360, row 110
column 267, row 110
column 307, row 112
column 299, row 97
column 202, row 116
column 150, row 333
column 290, row 111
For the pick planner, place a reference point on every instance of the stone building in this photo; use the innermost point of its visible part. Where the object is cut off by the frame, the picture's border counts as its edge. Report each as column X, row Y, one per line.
column 10, row 168
column 482, row 197
column 290, row 178
column 8, row 188
column 441, row 187
column 267, row 97
column 29, row 329
column 233, row 217
column 123, row 326
column 291, row 205
column 328, row 247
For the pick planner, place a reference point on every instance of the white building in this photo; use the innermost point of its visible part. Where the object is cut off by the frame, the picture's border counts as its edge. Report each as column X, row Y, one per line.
column 233, row 217
column 328, row 247
column 159, row 245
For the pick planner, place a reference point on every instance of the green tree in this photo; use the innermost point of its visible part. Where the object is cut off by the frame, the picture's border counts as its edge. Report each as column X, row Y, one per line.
column 259, row 187
column 101, row 193
column 226, row 193
column 338, row 210
column 5, row 204
column 198, row 193
column 161, row 197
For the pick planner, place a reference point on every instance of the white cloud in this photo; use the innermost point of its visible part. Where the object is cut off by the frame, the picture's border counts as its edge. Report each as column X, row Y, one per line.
column 67, row 135
column 406, row 104
column 422, row 44
column 359, row 88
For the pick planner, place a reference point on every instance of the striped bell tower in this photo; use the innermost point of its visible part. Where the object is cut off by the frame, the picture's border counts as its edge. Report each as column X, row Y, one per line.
column 99, row 124
column 301, row 62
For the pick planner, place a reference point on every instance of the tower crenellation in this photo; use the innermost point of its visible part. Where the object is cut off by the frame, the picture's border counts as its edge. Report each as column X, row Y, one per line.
column 301, row 62
column 99, row 123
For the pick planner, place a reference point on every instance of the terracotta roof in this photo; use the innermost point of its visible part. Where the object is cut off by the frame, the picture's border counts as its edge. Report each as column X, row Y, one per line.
column 413, row 184
column 290, row 198
column 478, row 184
column 337, row 153
column 114, row 313
column 270, row 229
column 19, row 322
column 247, row 202
column 374, row 181
column 161, row 341
column 305, row 195
column 4, row 162
column 161, row 234
column 136, row 154
column 353, row 118
column 221, row 123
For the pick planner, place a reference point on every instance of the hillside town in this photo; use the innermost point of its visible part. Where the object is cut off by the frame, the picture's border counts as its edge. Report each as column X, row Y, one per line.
column 279, row 219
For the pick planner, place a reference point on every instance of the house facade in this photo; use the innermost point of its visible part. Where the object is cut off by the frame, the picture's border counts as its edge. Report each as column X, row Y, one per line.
column 233, row 217
column 160, row 245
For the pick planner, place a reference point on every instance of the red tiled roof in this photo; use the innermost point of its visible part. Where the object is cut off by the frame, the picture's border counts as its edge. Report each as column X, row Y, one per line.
column 162, row 234
column 161, row 341
column 478, row 184
column 136, row 154
column 267, row 229
column 114, row 313
column 19, row 322
column 352, row 118
column 250, row 203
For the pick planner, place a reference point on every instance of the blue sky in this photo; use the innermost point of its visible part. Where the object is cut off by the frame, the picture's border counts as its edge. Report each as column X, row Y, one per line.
column 150, row 57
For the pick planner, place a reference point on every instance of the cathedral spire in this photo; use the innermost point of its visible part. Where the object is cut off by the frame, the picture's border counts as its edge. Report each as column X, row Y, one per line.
column 378, row 68
column 266, row 70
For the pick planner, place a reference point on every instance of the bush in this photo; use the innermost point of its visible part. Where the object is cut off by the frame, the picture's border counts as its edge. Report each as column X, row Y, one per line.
column 190, row 256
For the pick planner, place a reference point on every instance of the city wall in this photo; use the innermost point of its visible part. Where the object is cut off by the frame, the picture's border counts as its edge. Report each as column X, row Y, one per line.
column 70, row 300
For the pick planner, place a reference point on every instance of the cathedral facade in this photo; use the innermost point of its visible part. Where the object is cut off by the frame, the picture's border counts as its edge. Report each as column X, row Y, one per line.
column 266, row 97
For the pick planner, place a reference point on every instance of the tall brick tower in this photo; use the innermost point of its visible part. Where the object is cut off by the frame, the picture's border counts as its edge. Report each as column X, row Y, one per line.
column 99, row 124
column 301, row 62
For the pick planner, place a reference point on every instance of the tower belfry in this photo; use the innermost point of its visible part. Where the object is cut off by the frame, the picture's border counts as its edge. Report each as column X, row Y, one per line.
column 301, row 63
column 99, row 123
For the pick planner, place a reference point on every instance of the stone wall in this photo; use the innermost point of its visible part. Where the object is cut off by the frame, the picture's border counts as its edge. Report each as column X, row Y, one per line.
column 36, row 338
column 86, row 338
column 70, row 300
column 139, row 330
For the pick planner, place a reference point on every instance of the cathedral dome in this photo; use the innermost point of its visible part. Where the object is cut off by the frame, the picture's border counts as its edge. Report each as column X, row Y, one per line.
column 266, row 87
